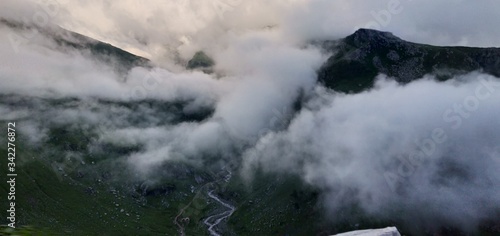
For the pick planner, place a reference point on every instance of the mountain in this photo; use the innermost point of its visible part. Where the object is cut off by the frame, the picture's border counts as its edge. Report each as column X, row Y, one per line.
column 67, row 40
column 200, row 60
column 72, row 174
column 360, row 57
column 118, row 58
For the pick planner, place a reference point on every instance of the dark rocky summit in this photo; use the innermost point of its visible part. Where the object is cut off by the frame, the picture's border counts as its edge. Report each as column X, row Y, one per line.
column 360, row 57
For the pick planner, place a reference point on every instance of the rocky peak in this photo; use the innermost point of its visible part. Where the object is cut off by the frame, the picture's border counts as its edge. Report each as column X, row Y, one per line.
column 360, row 57
column 370, row 36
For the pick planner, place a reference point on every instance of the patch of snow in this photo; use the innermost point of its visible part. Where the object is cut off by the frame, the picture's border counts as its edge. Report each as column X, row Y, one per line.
column 389, row 231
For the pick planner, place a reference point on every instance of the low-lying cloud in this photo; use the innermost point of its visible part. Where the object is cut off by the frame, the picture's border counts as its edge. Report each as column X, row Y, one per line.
column 425, row 153
column 428, row 150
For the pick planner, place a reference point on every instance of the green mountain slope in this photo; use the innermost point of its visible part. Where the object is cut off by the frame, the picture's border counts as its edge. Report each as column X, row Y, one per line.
column 74, row 183
column 360, row 57
column 68, row 40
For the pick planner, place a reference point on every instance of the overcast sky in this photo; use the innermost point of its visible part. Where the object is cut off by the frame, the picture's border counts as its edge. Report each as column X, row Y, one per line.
column 153, row 27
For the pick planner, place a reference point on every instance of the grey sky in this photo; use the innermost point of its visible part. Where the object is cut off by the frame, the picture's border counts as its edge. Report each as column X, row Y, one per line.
column 153, row 27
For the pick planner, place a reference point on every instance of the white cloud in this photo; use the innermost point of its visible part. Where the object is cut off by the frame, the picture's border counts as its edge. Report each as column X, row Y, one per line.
column 339, row 143
column 351, row 146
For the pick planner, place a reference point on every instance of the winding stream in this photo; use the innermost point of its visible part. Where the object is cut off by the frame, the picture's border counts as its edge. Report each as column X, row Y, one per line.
column 213, row 220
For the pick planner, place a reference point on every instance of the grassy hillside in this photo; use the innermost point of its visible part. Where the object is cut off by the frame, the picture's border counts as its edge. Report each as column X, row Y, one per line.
column 73, row 183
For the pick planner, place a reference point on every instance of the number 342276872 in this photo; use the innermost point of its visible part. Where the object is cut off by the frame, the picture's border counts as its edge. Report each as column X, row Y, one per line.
column 11, row 147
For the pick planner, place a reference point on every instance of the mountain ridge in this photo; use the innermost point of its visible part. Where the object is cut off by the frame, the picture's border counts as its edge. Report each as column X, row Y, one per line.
column 120, row 59
column 360, row 57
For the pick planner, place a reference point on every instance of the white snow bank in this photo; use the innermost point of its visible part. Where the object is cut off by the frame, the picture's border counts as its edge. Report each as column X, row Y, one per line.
column 389, row 231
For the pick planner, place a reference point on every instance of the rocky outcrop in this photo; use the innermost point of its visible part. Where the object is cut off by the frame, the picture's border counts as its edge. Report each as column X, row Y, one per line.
column 201, row 61
column 360, row 57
